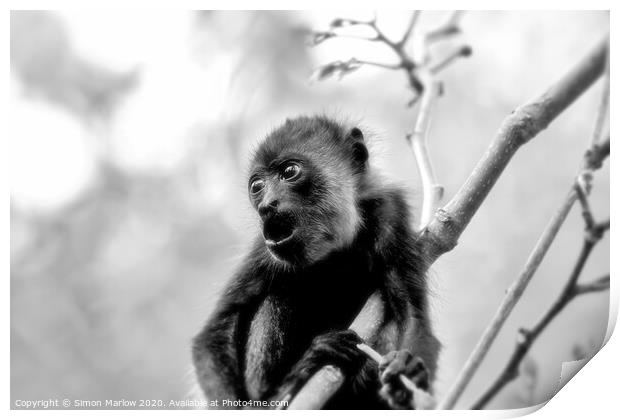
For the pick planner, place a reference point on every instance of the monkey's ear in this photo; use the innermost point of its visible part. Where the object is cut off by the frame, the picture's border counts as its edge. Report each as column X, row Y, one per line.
column 356, row 134
column 360, row 152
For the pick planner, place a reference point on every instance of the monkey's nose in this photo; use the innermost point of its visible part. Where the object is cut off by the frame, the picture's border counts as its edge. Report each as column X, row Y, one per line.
column 267, row 209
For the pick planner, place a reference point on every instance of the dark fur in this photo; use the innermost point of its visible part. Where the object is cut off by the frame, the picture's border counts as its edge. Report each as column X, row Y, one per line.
column 256, row 344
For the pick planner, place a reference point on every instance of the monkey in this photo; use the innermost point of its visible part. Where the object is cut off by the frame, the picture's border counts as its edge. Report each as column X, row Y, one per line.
column 332, row 233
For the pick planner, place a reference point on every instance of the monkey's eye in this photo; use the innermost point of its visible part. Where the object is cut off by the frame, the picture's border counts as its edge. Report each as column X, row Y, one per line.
column 290, row 172
column 257, row 186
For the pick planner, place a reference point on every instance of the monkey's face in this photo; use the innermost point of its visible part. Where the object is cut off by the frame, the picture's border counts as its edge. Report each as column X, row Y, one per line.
column 305, row 211
column 303, row 184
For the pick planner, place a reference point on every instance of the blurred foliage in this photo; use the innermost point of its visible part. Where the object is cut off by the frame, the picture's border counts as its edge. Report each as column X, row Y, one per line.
column 109, row 285
column 42, row 55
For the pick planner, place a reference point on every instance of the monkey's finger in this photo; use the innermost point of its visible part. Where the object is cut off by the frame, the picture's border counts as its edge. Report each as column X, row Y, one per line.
column 330, row 350
column 387, row 359
column 397, row 397
column 351, row 336
column 397, row 359
column 396, row 367
column 419, row 374
column 347, row 338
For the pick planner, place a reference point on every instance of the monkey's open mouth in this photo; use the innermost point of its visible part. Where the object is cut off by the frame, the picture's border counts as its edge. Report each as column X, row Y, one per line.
column 278, row 230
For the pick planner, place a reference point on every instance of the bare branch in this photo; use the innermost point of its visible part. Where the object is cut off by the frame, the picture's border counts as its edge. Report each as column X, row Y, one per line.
column 319, row 37
column 442, row 234
column 326, row 383
column 447, row 29
column 432, row 190
column 410, row 27
column 527, row 337
column 423, row 399
column 595, row 286
column 463, row 51
column 421, row 81
column 359, row 37
column 519, row 128
column 597, row 154
column 383, row 38
column 316, row 392
column 430, row 88
column 602, row 227
column 406, row 62
column 381, row 65
column 597, row 231
column 341, row 22
column 586, row 211
column 603, row 106
column 336, row 68
column 513, row 295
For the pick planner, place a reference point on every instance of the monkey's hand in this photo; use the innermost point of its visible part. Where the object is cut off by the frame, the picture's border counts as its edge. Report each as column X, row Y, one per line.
column 394, row 392
column 337, row 348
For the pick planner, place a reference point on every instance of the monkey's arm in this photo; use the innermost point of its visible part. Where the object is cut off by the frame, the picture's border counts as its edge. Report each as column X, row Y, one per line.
column 216, row 349
column 406, row 341
column 408, row 346
column 414, row 335
column 215, row 358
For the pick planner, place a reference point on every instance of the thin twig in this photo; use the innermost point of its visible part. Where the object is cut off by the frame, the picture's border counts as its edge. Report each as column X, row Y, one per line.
column 422, row 81
column 516, row 290
column 463, row 51
column 377, row 357
column 418, row 140
column 569, row 292
column 382, row 65
column 447, row 29
column 595, row 286
column 359, row 37
column 423, row 400
column 432, row 190
column 527, row 337
column 410, row 27
column 513, row 294
column 586, row 211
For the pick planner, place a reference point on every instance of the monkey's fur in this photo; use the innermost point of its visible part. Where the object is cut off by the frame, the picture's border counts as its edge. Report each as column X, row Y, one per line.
column 332, row 234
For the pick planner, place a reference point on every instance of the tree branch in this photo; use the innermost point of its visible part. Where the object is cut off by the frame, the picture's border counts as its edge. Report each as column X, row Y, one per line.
column 462, row 51
column 410, row 27
column 432, row 191
column 447, row 29
column 382, row 65
column 318, row 390
column 595, row 286
column 528, row 337
column 586, row 211
column 603, row 105
column 442, row 234
column 530, row 120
